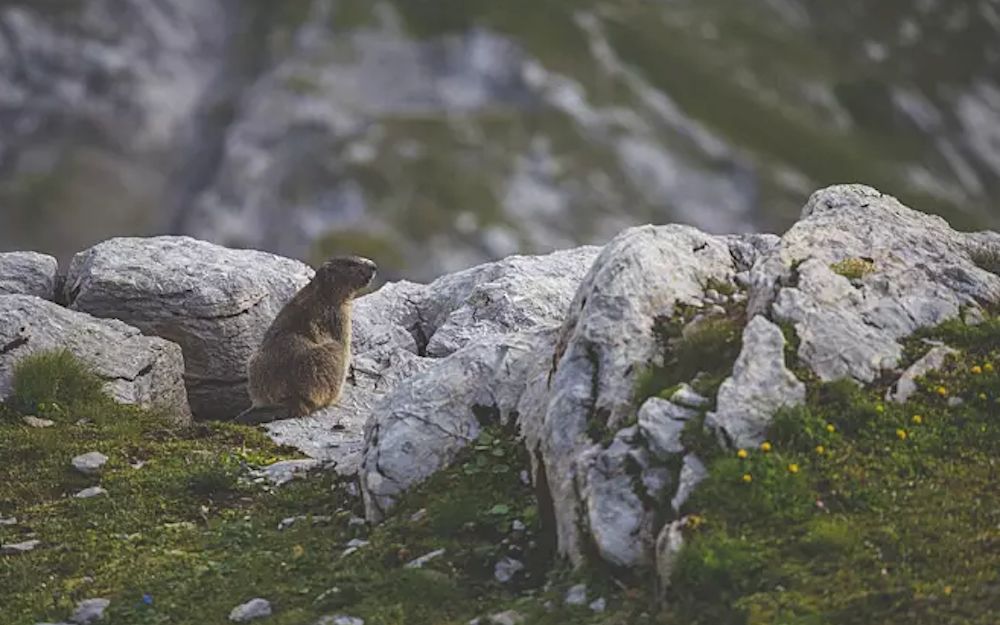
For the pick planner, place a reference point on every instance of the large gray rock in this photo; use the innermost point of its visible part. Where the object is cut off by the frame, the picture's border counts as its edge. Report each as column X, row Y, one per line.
column 921, row 273
column 761, row 384
column 607, row 339
column 426, row 420
column 216, row 303
column 137, row 369
column 28, row 273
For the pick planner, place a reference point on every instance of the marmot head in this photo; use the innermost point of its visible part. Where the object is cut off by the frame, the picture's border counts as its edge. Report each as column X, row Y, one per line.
column 345, row 275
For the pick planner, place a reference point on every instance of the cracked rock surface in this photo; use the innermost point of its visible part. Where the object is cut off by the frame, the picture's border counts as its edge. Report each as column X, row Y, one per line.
column 28, row 273
column 137, row 369
column 216, row 303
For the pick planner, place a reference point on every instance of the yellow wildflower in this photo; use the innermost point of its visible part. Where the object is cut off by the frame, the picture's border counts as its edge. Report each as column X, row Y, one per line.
column 947, row 590
column 742, row 454
column 982, row 397
column 747, row 478
column 793, row 468
column 830, row 428
column 976, row 370
column 879, row 408
column 901, row 434
column 820, row 449
column 765, row 447
column 942, row 391
column 988, row 368
column 918, row 419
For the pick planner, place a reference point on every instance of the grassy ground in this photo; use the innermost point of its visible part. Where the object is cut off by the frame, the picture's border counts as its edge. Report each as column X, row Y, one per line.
column 186, row 537
column 856, row 511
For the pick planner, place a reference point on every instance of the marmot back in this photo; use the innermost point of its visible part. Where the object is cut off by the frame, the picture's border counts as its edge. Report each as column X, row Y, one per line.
column 302, row 363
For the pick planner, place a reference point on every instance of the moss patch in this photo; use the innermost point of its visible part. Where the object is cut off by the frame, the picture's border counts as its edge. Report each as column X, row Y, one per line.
column 854, row 268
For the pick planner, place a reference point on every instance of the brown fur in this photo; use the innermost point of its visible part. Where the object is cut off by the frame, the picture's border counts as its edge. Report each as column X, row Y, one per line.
column 302, row 364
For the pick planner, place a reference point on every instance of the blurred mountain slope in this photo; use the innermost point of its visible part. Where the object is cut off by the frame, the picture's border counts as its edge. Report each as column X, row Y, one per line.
column 432, row 134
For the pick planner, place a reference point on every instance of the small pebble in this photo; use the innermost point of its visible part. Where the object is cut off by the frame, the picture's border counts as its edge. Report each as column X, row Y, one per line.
column 8, row 521
column 90, row 463
column 506, row 568
column 253, row 609
column 89, row 611
column 424, row 559
column 11, row 549
column 598, row 605
column 510, row 617
column 576, row 595
column 35, row 422
column 353, row 545
column 419, row 515
column 525, row 478
column 518, row 526
column 356, row 520
column 289, row 521
column 93, row 491
column 340, row 619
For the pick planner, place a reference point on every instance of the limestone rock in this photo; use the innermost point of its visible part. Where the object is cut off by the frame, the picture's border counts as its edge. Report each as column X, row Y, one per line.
column 906, row 385
column 251, row 610
column 90, row 463
column 419, row 563
column 28, row 273
column 576, row 595
column 662, row 423
column 922, row 273
column 137, row 369
column 761, row 384
column 89, row 611
column 216, row 303
column 668, row 544
column 641, row 276
column 10, row 549
column 693, row 472
column 93, row 491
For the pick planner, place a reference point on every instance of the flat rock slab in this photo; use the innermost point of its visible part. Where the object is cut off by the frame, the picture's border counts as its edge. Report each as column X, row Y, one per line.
column 136, row 369
column 215, row 302
column 28, row 273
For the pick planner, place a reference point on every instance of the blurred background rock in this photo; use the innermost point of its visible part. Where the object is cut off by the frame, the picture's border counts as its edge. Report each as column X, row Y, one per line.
column 433, row 134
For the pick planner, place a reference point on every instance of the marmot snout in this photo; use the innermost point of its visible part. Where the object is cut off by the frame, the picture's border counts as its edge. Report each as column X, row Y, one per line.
column 303, row 360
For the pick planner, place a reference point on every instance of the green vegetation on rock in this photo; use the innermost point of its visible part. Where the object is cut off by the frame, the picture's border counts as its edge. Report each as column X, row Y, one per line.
column 856, row 510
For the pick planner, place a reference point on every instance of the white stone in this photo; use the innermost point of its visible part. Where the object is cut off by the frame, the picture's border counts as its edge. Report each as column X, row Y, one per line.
column 253, row 609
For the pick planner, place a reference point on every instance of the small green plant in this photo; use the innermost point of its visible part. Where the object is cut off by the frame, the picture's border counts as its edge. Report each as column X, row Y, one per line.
column 54, row 385
column 854, row 268
column 701, row 352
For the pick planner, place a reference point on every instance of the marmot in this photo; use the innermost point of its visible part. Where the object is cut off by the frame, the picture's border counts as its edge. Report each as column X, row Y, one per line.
column 302, row 364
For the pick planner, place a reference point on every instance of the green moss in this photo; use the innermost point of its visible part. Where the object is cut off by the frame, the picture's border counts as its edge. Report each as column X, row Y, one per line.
column 700, row 352
column 55, row 385
column 854, row 268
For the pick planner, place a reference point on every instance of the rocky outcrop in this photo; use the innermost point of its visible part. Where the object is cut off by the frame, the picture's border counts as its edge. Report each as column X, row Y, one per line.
column 860, row 272
column 448, row 349
column 559, row 344
column 216, row 303
column 136, row 369
column 28, row 273
column 854, row 277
